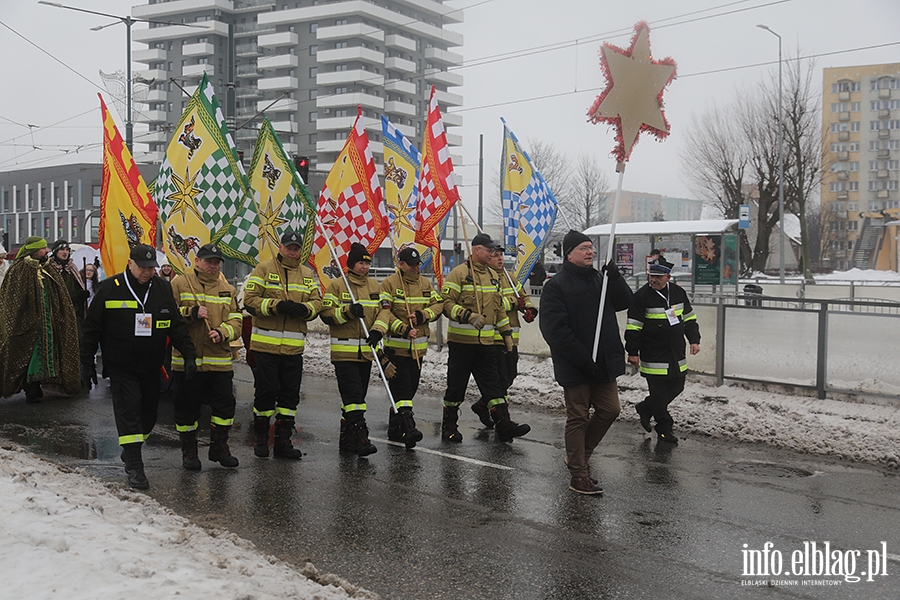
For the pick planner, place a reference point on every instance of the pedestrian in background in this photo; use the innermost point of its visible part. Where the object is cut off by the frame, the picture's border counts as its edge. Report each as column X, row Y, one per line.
column 659, row 320
column 208, row 304
column 61, row 260
column 91, row 281
column 131, row 317
column 570, row 303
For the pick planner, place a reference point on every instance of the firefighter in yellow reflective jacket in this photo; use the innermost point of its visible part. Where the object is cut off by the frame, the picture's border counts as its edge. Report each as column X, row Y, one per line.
column 282, row 295
column 414, row 304
column 351, row 349
column 515, row 299
column 208, row 304
column 474, row 305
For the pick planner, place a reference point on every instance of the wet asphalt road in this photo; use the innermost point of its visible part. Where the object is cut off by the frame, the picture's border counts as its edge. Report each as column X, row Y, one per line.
column 490, row 520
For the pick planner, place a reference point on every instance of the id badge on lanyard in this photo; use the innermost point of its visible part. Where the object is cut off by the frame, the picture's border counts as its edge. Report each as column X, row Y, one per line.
column 143, row 321
column 670, row 310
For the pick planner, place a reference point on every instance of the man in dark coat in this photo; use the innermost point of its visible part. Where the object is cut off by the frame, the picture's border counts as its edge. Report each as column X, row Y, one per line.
column 570, row 302
column 658, row 321
column 38, row 333
column 61, row 260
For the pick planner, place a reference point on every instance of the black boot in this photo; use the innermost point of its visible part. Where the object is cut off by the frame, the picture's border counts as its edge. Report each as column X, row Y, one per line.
column 33, row 393
column 484, row 414
column 449, row 430
column 344, row 439
column 261, row 434
column 395, row 430
column 357, row 434
column 218, row 446
column 506, row 428
column 284, row 429
column 189, row 458
column 411, row 435
column 134, row 466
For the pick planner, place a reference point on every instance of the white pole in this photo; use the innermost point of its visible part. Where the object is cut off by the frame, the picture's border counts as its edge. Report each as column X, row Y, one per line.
column 610, row 247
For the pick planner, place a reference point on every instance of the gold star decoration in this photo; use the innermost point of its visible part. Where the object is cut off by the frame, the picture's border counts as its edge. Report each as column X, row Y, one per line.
column 269, row 219
column 632, row 100
column 401, row 212
column 183, row 196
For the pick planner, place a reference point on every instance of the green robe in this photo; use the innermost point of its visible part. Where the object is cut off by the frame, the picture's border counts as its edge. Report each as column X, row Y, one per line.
column 38, row 331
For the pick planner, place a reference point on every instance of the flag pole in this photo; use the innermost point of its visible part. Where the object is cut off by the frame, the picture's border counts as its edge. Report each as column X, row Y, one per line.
column 412, row 343
column 469, row 259
column 361, row 320
column 480, row 230
column 610, row 246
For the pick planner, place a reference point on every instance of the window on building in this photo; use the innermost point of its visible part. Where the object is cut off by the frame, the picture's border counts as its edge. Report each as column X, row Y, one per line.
column 95, row 195
column 340, row 44
column 313, row 116
column 853, row 147
column 313, row 27
column 30, row 198
column 70, row 199
column 854, row 107
column 853, row 186
column 313, row 71
column 313, row 94
column 313, row 137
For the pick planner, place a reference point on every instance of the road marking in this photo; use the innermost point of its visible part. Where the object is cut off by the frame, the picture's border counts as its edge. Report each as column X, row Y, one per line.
column 473, row 461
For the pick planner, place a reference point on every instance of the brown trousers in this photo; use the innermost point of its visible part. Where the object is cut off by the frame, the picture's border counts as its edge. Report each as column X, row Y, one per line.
column 583, row 429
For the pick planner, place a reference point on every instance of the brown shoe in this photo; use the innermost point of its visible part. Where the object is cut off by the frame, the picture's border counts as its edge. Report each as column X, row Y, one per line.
column 583, row 485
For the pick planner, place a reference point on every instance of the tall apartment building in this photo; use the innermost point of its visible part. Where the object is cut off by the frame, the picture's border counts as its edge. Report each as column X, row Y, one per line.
column 636, row 207
column 307, row 63
column 861, row 131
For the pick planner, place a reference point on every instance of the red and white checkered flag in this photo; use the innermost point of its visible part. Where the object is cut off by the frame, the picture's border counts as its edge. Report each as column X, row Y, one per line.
column 437, row 184
column 350, row 207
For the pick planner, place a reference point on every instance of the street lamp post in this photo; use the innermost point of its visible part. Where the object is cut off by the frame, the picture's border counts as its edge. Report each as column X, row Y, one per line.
column 783, row 237
column 128, row 21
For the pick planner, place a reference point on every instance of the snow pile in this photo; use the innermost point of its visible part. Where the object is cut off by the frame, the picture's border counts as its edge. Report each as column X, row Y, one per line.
column 854, row 431
column 63, row 533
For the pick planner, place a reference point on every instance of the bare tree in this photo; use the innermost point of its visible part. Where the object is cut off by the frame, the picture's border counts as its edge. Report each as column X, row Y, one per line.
column 587, row 203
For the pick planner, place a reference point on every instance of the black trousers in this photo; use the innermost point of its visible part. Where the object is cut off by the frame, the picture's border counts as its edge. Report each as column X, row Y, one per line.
column 507, row 365
column 207, row 387
column 353, row 383
column 478, row 361
column 405, row 383
column 135, row 397
column 662, row 391
column 276, row 379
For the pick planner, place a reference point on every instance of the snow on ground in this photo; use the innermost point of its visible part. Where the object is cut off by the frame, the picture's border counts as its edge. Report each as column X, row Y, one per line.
column 855, row 431
column 66, row 534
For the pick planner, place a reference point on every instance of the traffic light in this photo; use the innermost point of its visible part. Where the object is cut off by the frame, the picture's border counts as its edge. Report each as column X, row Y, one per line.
column 557, row 249
column 240, row 156
column 457, row 248
column 302, row 164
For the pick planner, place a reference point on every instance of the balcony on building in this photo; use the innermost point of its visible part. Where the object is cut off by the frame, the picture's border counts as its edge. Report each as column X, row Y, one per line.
column 248, row 50
column 345, row 123
column 154, row 137
column 246, row 30
column 881, row 194
column 245, row 112
column 249, row 133
column 154, row 96
column 278, row 61
column 282, row 105
column 201, row 49
column 345, row 55
column 844, row 96
column 398, row 107
column 884, row 153
column 399, row 42
column 190, row 89
column 250, row 5
column 352, row 99
column 249, row 71
column 843, row 175
column 278, row 40
column 247, row 92
column 167, row 9
column 150, row 157
column 447, row 78
column 290, row 148
column 843, row 136
column 197, row 71
column 408, row 130
column 844, row 155
column 398, row 85
column 285, row 127
column 454, row 139
column 150, row 55
column 352, row 30
column 884, row 134
column 452, row 119
column 349, row 76
column 278, row 83
column 150, row 116
column 173, row 32
column 444, row 98
column 151, row 74
column 842, row 195
column 884, row 113
column 884, row 94
column 443, row 56
column 882, row 174
column 395, row 63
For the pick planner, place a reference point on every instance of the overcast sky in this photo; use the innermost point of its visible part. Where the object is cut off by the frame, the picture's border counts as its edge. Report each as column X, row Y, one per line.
column 543, row 95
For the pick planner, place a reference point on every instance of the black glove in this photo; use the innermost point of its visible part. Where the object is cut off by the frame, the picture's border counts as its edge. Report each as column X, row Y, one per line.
column 285, row 307
column 530, row 314
column 464, row 315
column 88, row 375
column 418, row 317
column 298, row 310
column 356, row 309
column 190, row 368
column 612, row 271
column 375, row 336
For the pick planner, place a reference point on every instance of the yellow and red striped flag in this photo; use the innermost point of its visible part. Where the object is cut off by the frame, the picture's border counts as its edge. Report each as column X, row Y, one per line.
column 127, row 213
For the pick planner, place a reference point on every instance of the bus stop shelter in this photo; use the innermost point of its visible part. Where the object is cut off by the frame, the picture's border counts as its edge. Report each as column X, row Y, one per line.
column 706, row 250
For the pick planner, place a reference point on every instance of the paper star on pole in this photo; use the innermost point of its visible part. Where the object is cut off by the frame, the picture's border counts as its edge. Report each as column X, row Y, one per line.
column 632, row 100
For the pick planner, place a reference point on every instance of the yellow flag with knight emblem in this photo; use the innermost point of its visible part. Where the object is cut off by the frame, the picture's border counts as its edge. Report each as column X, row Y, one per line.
column 281, row 199
column 201, row 190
